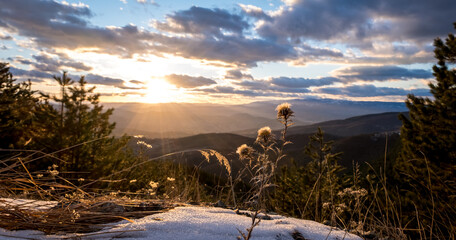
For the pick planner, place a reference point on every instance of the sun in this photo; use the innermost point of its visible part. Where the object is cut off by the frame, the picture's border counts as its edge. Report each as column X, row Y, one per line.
column 159, row 91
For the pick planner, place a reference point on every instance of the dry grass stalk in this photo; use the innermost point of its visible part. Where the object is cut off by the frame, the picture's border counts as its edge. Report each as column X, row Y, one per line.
column 76, row 217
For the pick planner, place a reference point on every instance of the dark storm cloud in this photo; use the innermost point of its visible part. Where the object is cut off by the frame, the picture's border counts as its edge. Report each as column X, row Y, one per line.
column 185, row 81
column 371, row 91
column 382, row 73
column 198, row 20
column 288, row 82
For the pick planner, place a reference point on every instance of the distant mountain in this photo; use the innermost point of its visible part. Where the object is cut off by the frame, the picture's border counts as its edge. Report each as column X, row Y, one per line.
column 362, row 148
column 361, row 139
column 366, row 124
column 173, row 120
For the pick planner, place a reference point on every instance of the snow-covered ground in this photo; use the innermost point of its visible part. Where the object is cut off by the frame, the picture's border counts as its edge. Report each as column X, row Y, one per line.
column 200, row 223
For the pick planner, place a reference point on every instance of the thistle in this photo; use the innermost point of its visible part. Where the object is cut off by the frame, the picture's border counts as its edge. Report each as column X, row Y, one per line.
column 284, row 111
column 264, row 135
column 244, row 151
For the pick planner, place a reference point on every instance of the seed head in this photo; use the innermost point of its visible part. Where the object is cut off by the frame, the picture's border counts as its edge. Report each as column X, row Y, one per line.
column 244, row 151
column 284, row 111
column 264, row 135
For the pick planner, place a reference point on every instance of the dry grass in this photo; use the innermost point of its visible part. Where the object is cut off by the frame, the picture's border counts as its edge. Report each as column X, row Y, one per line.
column 67, row 209
column 76, row 217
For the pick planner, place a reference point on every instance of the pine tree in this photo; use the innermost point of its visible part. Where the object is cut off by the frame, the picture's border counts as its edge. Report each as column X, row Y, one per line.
column 17, row 107
column 427, row 165
column 325, row 169
column 81, row 126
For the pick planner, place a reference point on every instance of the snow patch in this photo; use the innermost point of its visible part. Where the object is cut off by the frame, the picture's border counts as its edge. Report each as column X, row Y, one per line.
column 203, row 223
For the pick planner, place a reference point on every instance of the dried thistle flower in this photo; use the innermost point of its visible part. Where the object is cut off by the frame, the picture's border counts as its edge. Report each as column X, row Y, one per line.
column 153, row 184
column 53, row 172
column 244, row 151
column 284, row 111
column 264, row 135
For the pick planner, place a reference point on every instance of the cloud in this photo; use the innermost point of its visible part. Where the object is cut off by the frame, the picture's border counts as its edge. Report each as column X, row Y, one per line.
column 101, row 80
column 152, row 2
column 136, row 82
column 298, row 33
column 185, row 81
column 371, row 91
column 256, row 84
column 256, row 12
column 237, row 75
column 40, row 76
column 53, row 64
column 54, row 24
column 395, row 20
column 47, row 63
column 29, row 73
column 5, row 37
column 381, row 73
column 288, row 82
column 198, row 20
column 239, row 51
column 320, row 20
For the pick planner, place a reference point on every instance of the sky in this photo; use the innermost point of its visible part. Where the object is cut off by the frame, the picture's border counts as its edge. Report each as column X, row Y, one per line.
column 229, row 52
